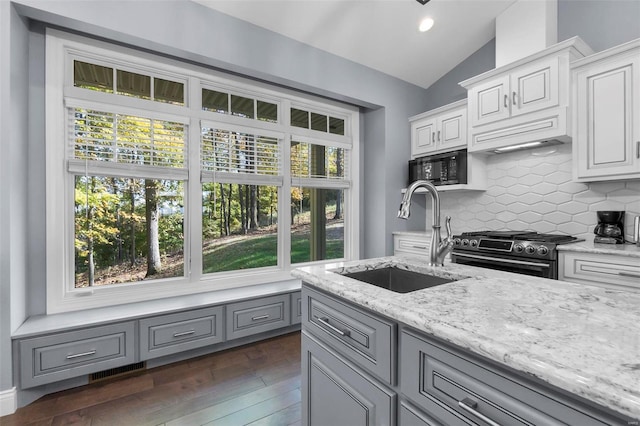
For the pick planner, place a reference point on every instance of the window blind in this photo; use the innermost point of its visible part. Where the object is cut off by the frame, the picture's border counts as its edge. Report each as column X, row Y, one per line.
column 319, row 165
column 232, row 155
column 112, row 143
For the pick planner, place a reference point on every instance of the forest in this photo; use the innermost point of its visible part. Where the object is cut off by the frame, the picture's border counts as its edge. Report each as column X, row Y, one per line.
column 132, row 229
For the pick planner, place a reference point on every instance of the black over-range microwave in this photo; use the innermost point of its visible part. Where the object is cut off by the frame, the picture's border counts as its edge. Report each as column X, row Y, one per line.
column 442, row 169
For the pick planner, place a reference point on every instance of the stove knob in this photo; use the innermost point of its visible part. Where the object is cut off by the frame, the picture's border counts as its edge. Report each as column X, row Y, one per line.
column 474, row 243
column 543, row 250
column 530, row 249
column 519, row 248
column 456, row 241
column 465, row 242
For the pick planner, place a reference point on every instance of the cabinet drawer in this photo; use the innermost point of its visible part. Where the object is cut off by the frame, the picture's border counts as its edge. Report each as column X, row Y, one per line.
column 64, row 355
column 257, row 316
column 412, row 245
column 168, row 334
column 436, row 378
column 367, row 340
column 296, row 307
column 601, row 269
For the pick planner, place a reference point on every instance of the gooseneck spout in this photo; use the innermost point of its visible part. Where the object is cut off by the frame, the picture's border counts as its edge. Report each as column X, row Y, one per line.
column 439, row 248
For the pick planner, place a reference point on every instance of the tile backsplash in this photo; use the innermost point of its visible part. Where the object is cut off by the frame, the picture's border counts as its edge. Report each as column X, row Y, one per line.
column 532, row 190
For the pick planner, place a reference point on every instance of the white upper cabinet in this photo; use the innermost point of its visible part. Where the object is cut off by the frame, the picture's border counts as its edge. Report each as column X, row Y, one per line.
column 606, row 122
column 525, row 101
column 440, row 130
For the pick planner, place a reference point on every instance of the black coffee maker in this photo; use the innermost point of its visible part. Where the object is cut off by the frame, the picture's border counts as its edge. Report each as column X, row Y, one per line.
column 610, row 227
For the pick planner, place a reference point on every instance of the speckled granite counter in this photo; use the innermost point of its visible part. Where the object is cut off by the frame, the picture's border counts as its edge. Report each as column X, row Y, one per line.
column 583, row 339
column 588, row 246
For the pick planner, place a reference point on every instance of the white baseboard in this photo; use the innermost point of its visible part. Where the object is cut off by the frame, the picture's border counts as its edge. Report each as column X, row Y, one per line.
column 8, row 401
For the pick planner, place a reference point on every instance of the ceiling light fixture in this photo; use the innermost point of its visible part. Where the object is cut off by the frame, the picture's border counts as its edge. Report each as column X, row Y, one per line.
column 425, row 24
column 423, row 2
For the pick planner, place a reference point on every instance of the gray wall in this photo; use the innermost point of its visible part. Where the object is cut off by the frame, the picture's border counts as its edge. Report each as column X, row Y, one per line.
column 14, row 258
column 600, row 23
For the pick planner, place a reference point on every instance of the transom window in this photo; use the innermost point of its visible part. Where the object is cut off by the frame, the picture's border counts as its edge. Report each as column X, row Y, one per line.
column 165, row 179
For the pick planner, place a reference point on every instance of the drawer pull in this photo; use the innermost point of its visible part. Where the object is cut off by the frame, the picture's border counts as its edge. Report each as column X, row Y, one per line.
column 420, row 247
column 469, row 406
column 506, row 101
column 628, row 274
column 325, row 321
column 93, row 352
column 184, row 333
column 260, row 317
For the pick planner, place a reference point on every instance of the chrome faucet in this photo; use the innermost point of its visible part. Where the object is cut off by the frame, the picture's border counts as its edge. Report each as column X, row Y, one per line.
column 439, row 248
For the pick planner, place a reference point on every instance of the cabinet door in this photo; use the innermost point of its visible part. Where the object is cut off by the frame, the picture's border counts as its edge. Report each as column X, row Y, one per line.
column 535, row 87
column 608, row 119
column 489, row 101
column 334, row 392
column 452, row 130
column 423, row 137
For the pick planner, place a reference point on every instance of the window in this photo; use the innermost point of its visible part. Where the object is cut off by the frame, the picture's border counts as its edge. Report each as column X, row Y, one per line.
column 167, row 179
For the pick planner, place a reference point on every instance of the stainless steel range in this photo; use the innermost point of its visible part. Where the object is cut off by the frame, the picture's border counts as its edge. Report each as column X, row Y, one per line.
column 522, row 252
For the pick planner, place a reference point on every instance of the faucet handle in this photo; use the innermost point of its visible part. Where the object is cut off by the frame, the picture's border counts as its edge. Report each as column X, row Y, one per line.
column 447, row 224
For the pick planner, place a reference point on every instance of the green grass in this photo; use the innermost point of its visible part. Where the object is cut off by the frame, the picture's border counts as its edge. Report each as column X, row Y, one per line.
column 257, row 252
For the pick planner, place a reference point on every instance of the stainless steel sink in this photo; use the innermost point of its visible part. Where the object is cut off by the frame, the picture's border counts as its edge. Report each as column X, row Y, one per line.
column 398, row 280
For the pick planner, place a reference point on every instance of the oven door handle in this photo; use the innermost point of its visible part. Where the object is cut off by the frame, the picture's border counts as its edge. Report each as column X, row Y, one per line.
column 498, row 259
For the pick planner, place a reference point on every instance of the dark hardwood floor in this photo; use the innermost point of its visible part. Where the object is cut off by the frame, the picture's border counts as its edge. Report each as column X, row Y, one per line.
column 257, row 384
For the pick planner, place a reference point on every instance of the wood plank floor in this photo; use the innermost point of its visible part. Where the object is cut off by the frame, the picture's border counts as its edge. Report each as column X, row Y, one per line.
column 256, row 384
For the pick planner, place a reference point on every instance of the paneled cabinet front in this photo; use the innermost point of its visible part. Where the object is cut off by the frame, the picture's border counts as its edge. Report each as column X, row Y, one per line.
column 335, row 392
column 526, row 101
column 617, row 272
column 168, row 334
column 359, row 336
column 606, row 123
column 258, row 315
column 440, row 130
column 457, row 390
column 61, row 356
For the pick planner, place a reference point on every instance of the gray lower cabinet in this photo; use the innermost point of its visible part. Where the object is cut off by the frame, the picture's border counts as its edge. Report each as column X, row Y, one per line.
column 366, row 339
column 336, row 392
column 457, row 389
column 56, row 356
column 296, row 307
column 60, row 356
column 348, row 359
column 169, row 334
column 258, row 315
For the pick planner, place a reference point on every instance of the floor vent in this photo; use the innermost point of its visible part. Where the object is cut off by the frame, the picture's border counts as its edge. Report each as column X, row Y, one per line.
column 117, row 372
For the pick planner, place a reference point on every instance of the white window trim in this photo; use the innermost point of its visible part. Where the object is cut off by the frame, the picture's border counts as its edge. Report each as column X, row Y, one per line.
column 61, row 296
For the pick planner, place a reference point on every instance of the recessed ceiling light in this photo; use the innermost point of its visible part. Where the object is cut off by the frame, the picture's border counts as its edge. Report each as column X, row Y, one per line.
column 425, row 24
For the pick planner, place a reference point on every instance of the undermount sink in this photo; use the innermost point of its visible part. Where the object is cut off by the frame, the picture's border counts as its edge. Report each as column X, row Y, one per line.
column 397, row 280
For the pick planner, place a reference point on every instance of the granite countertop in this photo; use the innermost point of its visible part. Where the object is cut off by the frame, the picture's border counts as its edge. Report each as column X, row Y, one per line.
column 583, row 339
column 588, row 246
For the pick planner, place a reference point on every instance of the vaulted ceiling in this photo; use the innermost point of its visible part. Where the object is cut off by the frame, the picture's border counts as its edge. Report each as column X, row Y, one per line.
column 380, row 34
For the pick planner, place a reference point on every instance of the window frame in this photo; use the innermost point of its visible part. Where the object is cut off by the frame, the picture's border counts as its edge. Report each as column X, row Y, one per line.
column 61, row 49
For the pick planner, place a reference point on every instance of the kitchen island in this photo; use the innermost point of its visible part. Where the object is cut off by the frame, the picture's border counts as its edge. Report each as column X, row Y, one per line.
column 583, row 340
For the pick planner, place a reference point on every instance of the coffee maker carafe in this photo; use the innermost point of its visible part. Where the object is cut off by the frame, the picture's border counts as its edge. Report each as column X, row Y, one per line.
column 610, row 227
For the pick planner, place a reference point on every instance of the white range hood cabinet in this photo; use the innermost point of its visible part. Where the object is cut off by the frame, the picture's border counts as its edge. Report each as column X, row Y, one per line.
column 525, row 101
